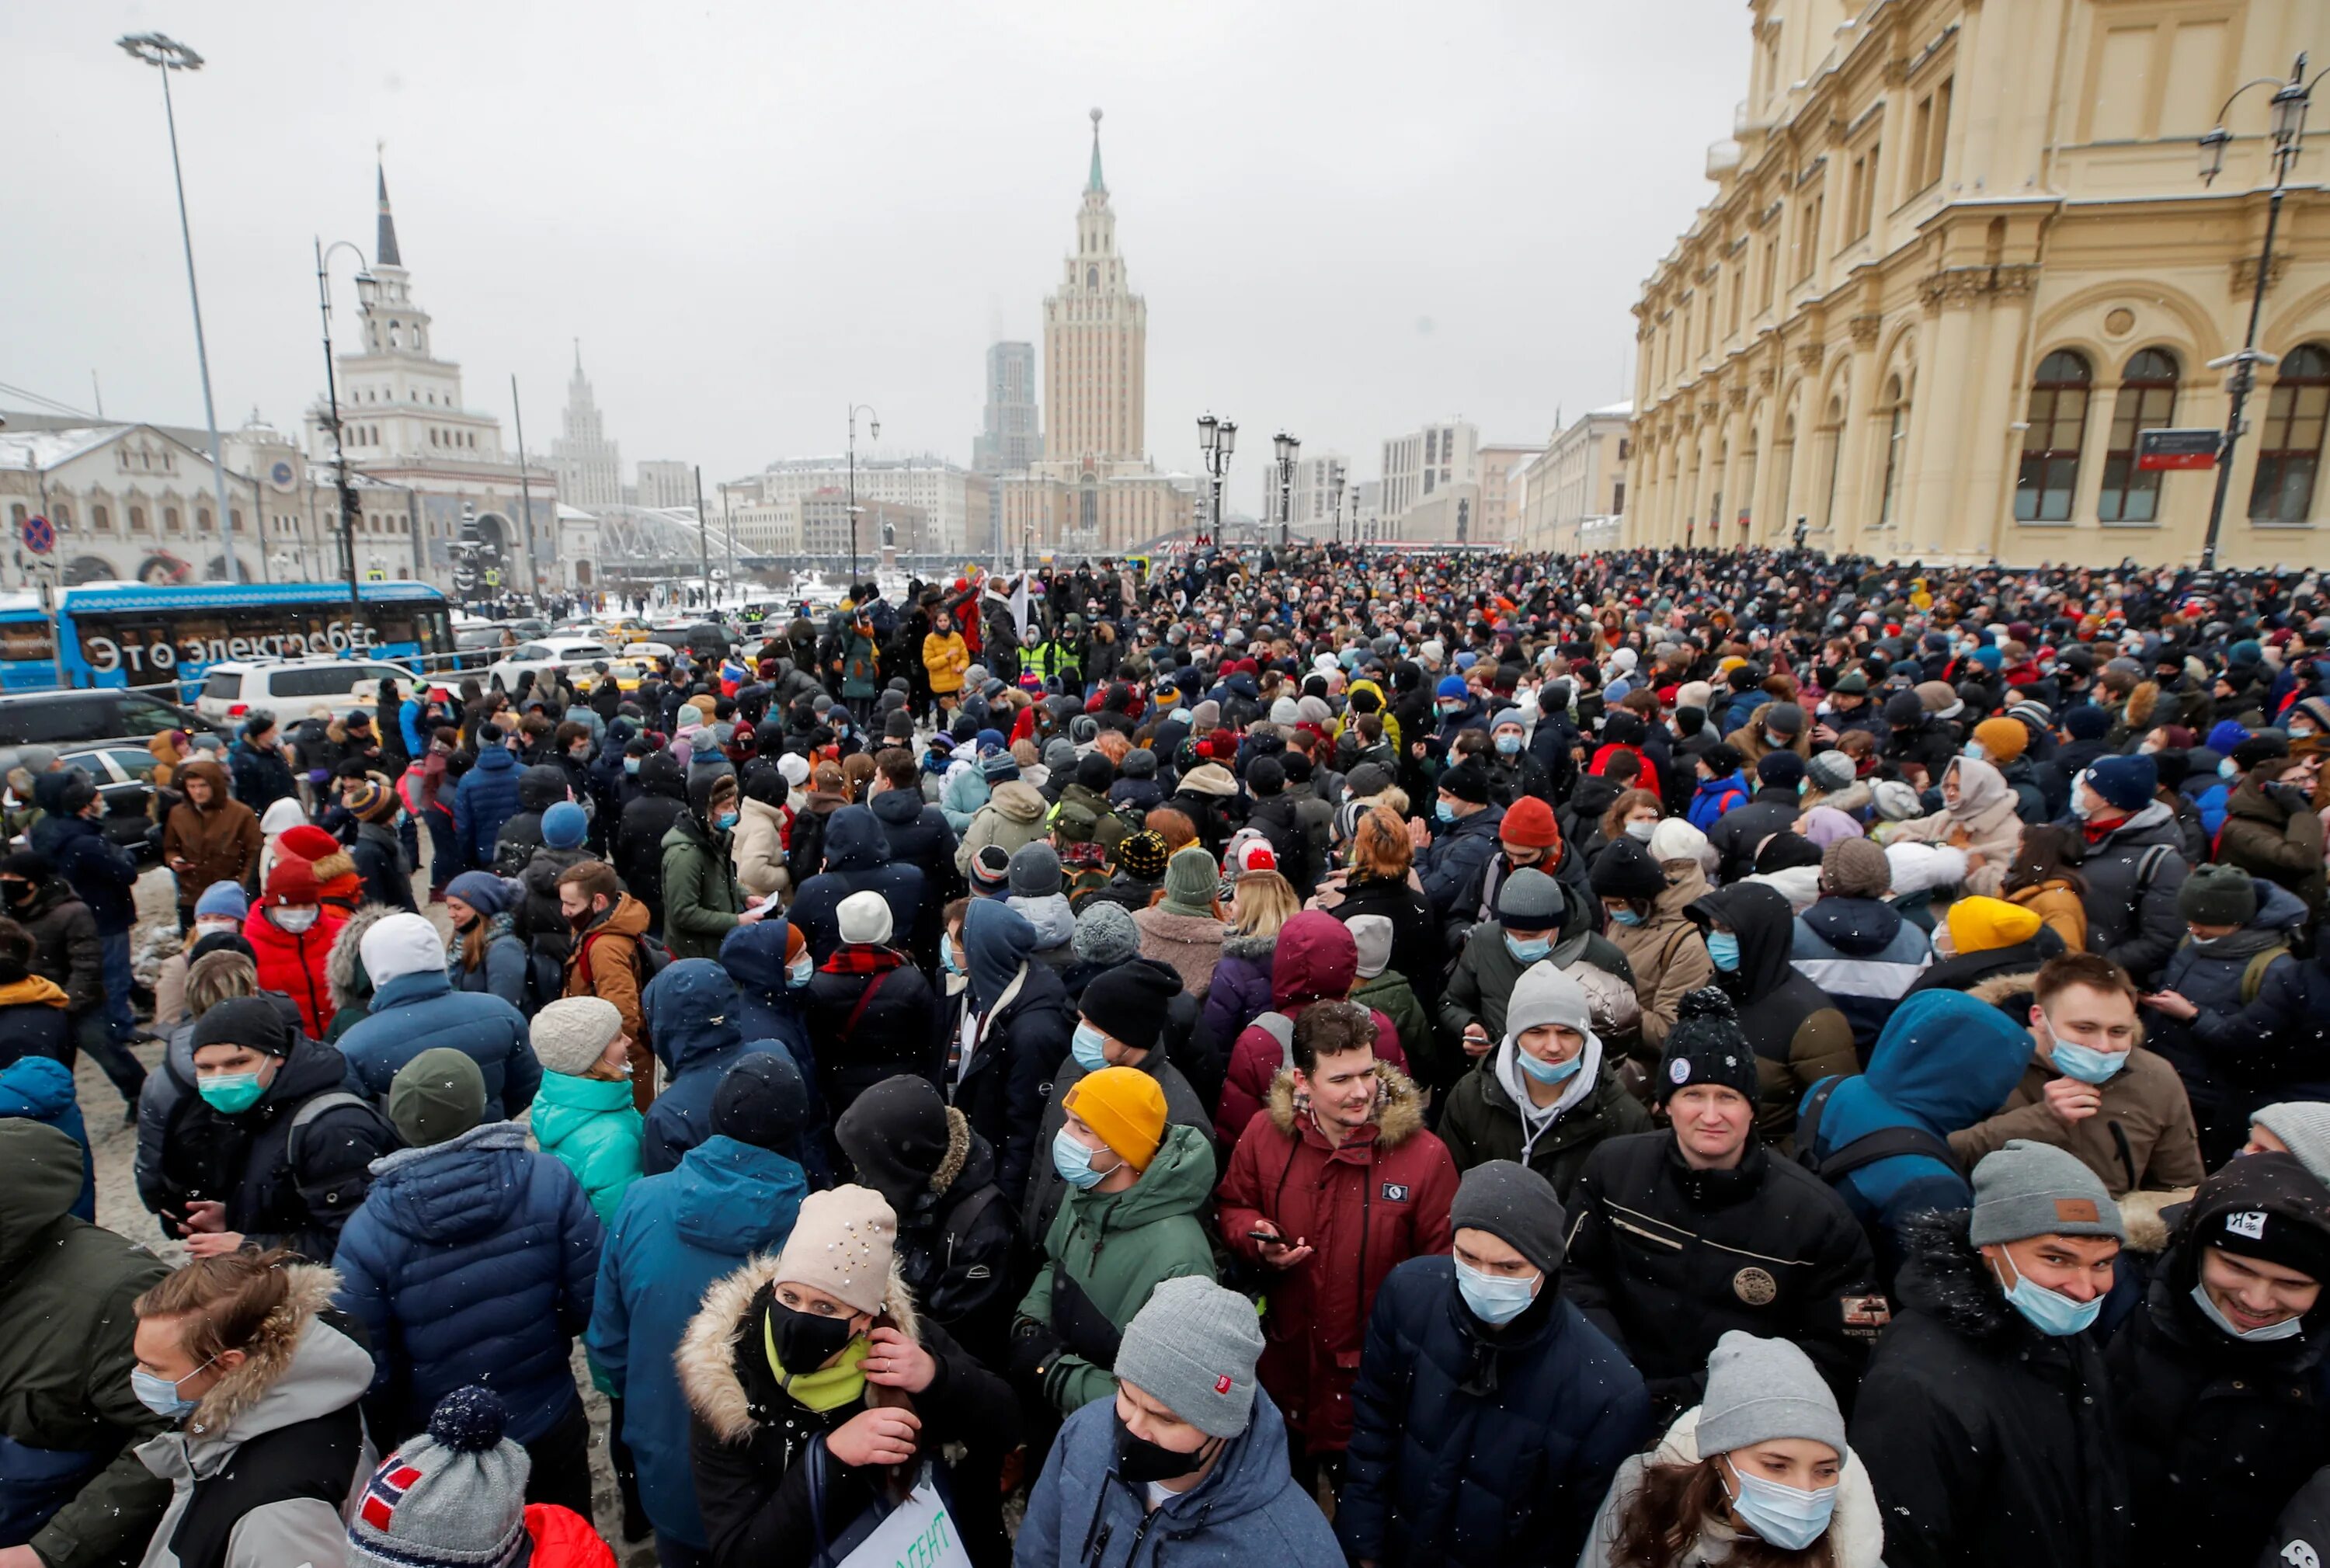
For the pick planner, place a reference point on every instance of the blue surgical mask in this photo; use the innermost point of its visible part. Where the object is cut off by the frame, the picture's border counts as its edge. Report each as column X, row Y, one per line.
column 801, row 971
column 1531, row 950
column 1723, row 949
column 1626, row 917
column 1509, row 745
column 725, row 821
column 1090, row 1047
column 230, row 1093
column 1442, row 810
column 2050, row 1312
column 631, row 764
column 1548, row 1072
column 2085, row 1062
column 1074, row 1161
column 2228, row 769
column 160, row 1395
column 2287, row 1328
column 1493, row 1301
column 1784, row 1517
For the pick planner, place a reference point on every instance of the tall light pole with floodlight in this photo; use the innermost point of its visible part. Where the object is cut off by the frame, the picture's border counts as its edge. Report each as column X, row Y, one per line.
column 873, row 430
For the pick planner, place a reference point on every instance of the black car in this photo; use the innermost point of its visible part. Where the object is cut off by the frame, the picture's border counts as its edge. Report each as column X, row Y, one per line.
column 103, row 732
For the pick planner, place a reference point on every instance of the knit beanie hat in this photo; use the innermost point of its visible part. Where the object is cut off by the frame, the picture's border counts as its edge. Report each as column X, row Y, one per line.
column 1758, row 1390
column 1547, row 994
column 1095, row 773
column 1104, row 933
column 571, row 1034
column 1468, row 781
column 437, row 1095
column 452, row 1498
column 1126, row 1107
column 1780, row 770
column 1830, row 771
column 2218, row 895
column 2034, row 1189
column 482, row 891
column 1785, row 719
column 1128, row 1002
column 761, row 1100
column 2087, row 722
column 2125, row 783
column 1530, row 901
column 1904, row 710
column 399, row 945
column 1190, row 878
column 221, row 900
column 990, row 872
column 2001, row 740
column 1676, row 839
column 1372, row 936
column 564, row 826
column 1143, row 854
column 1722, row 759
column 250, row 1022
column 1528, row 822
column 897, row 1135
column 1895, row 800
column 1265, row 777
column 1192, row 1347
column 1982, row 925
column 1705, row 1046
column 1855, row 868
column 1515, row 1204
column 841, row 1244
column 1625, row 870
column 371, row 801
column 999, row 767
column 1369, row 779
column 2304, row 1127
column 1035, row 871
column 865, row 918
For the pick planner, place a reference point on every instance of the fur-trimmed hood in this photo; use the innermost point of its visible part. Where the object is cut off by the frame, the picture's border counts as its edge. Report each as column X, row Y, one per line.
column 297, row 1368
column 343, row 966
column 707, row 1356
column 1400, row 1107
column 2000, row 989
column 1253, row 949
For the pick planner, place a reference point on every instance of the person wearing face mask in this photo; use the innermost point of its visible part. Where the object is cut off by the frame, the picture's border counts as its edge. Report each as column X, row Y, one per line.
column 2216, row 1378
column 1514, row 774
column 1452, row 855
column 259, row 1381
column 605, row 957
column 582, row 1113
column 1758, row 1472
column 1538, row 919
column 1798, row 1034
column 1489, row 1414
column 221, row 909
column 1662, row 946
column 701, row 901
column 1138, row 1185
column 2092, row 1089
column 2133, row 863
column 1987, row 1418
column 820, row 1357
column 292, row 932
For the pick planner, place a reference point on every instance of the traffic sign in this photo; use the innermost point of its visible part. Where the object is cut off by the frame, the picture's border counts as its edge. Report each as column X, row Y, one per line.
column 2160, row 450
column 39, row 536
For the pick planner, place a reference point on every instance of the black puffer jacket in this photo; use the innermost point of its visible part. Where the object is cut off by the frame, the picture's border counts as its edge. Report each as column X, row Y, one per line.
column 860, row 1039
column 1986, row 1442
column 662, row 800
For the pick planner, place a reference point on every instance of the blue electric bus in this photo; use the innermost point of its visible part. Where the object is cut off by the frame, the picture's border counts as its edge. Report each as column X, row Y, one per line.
column 128, row 633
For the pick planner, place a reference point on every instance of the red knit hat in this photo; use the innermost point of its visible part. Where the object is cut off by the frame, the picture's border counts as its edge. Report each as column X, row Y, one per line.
column 308, row 842
column 292, row 881
column 1528, row 822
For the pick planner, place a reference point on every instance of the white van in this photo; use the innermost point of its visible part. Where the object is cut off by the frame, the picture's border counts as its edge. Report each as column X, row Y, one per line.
column 289, row 689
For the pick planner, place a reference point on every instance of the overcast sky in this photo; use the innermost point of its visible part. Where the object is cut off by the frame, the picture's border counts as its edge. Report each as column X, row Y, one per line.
column 1348, row 217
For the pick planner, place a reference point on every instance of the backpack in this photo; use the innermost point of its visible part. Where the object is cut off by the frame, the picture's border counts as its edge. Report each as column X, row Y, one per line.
column 650, row 957
column 1885, row 1143
column 2253, row 973
column 343, row 1194
column 1281, row 1028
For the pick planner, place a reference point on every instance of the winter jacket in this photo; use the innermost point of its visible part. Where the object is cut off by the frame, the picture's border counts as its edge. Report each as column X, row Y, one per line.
column 1183, row 1108
column 1366, row 1206
column 262, row 777
column 1735, row 839
column 1001, row 1087
column 1855, row 1536
column 2132, row 918
column 858, row 858
column 751, row 1445
column 1481, row 1121
column 486, row 798
column 1798, row 1033
column 919, row 836
column 945, row 659
column 1668, row 960
column 1104, row 1255
column 960, row 796
column 1240, row 990
column 1191, row 944
column 605, row 962
column 419, row 1012
column 701, row 900
column 768, row 1006
column 1249, row 1512
column 472, row 1260
column 2276, row 834
column 222, row 839
column 66, row 948
column 590, row 1124
column 1390, row 995
column 1012, row 817
column 1665, row 1259
column 264, row 1470
column 1987, row 821
column 105, row 877
column 40, row 1088
column 756, row 848
column 1715, row 799
column 647, row 818
column 69, row 1484
column 672, row 1237
column 295, row 964
column 691, row 1011
column 1306, row 970
column 958, row 1242
column 1985, row 1440
column 2279, row 1046
column 1482, row 984
column 2142, row 1138
column 1417, row 951
column 1452, row 866
column 380, row 865
column 501, row 969
column 865, row 1024
column 1863, row 955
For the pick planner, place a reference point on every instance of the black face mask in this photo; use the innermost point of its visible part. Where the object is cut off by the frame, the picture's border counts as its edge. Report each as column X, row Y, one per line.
column 805, row 1341
column 20, row 892
column 581, row 922
column 1141, row 1461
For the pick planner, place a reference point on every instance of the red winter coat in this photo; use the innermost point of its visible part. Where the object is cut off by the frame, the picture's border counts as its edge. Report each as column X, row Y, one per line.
column 1366, row 1207
column 294, row 965
column 563, row 1538
column 1316, row 961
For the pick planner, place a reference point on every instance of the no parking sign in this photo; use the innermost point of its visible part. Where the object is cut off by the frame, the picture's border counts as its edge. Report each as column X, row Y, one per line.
column 39, row 536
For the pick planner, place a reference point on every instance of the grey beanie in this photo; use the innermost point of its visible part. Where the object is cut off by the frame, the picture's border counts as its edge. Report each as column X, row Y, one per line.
column 1530, row 901
column 1830, row 771
column 1895, row 800
column 1787, row 718
column 453, row 1496
column 1546, row 995
column 2034, row 1189
column 1372, row 933
column 1034, row 870
column 1105, row 933
column 1192, row 1347
column 2305, row 1126
column 2218, row 895
column 1515, row 1204
column 1761, row 1389
column 1060, row 755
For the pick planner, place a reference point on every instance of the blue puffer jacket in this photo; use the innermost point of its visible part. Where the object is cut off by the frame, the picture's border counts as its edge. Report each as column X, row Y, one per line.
column 1943, row 1062
column 691, row 1012
column 1864, row 955
column 2279, row 1046
column 1451, row 868
column 1714, row 797
column 1440, row 1472
column 1249, row 1513
column 856, row 860
column 2211, row 977
column 486, row 798
column 472, row 1260
column 673, row 1236
column 41, row 1090
column 413, row 1013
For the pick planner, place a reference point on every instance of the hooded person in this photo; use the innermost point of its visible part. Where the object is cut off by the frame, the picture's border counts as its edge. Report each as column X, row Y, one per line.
column 1853, row 944
column 1763, row 1459
column 473, row 1260
column 647, row 818
column 209, row 836
column 292, row 931
column 731, row 1196
column 1987, row 1420
column 818, row 1357
column 701, row 901
column 1545, row 1095
column 692, row 1011
column 1004, row 1033
column 870, row 1012
column 1138, row 1185
column 770, row 962
column 1798, row 1033
column 2216, row 1378
column 454, row 1496
column 858, row 860
column 1661, row 946
column 1013, row 815
column 1190, row 1446
column 415, row 1008
column 1317, row 960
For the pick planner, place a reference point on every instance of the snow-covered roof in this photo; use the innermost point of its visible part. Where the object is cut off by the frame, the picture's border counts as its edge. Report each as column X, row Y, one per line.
column 1617, row 411
column 575, row 514
column 45, row 449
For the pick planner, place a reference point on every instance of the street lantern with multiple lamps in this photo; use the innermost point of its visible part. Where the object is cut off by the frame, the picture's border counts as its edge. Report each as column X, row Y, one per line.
column 1335, row 501
column 167, row 54
column 873, row 426
column 1217, row 439
column 2291, row 99
column 1288, row 449
column 367, row 286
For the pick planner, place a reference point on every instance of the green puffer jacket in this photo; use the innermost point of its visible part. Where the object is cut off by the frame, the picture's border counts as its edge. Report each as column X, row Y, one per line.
column 1116, row 1247
column 66, row 1287
column 701, row 900
column 590, row 1124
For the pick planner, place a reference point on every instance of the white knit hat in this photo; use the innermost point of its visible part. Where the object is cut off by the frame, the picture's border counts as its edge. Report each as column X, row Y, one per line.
column 401, row 945
column 572, row 1033
column 865, row 918
column 1373, row 935
column 841, row 1244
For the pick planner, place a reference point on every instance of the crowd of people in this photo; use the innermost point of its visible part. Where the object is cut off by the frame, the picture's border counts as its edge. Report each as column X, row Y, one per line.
column 1641, row 1060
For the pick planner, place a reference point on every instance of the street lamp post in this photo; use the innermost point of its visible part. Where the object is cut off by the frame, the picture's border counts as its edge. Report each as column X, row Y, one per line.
column 167, row 54
column 1288, row 448
column 1335, row 502
column 874, row 429
column 365, row 285
column 2291, row 99
column 1217, row 439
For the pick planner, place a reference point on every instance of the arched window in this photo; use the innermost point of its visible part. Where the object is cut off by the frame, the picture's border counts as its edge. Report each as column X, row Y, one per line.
column 2057, row 422
column 2148, row 402
column 1896, row 452
column 100, row 518
column 1832, row 435
column 172, row 523
column 396, row 334
column 2289, row 453
column 60, row 514
column 138, row 519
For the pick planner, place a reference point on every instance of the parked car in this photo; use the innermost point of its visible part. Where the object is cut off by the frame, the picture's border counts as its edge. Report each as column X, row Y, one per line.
column 476, row 646
column 290, row 688
column 124, row 782
column 122, row 717
column 551, row 652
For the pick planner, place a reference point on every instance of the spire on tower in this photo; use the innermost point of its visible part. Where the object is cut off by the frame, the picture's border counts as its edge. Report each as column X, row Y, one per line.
column 386, row 253
column 1093, row 184
column 578, row 359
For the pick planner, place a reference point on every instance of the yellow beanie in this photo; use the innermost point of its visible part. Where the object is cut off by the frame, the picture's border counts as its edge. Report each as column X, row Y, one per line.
column 1126, row 1107
column 2002, row 740
column 1979, row 924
